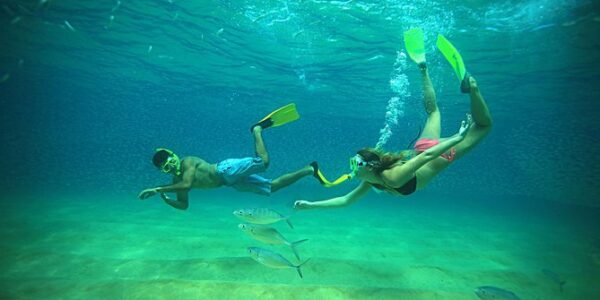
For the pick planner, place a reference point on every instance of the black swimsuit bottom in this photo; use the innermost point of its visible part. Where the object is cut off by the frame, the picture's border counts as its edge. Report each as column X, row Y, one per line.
column 407, row 189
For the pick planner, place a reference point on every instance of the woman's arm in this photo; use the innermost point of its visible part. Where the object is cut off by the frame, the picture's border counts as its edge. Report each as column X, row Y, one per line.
column 345, row 200
column 397, row 176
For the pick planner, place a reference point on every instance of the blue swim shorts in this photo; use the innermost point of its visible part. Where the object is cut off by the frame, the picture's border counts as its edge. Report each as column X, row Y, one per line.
column 240, row 173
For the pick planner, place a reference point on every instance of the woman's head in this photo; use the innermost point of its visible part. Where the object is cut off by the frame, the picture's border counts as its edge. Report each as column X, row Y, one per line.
column 374, row 161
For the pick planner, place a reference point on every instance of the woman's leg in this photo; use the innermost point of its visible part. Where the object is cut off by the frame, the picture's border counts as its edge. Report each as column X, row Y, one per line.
column 432, row 127
column 290, row 178
column 259, row 145
column 481, row 127
column 482, row 121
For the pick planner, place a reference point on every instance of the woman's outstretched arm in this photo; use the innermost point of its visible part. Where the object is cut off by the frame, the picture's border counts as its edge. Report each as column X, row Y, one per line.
column 345, row 200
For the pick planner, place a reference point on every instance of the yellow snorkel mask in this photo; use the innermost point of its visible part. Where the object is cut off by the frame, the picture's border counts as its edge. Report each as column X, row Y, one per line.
column 172, row 163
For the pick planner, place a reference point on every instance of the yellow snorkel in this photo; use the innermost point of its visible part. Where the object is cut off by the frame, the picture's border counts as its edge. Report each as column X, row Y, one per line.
column 172, row 163
column 355, row 163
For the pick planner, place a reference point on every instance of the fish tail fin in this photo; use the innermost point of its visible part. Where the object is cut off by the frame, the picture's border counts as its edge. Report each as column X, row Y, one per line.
column 293, row 246
column 300, row 265
column 289, row 223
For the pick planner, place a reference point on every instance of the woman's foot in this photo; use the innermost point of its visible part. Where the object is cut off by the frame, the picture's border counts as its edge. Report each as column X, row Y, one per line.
column 465, row 84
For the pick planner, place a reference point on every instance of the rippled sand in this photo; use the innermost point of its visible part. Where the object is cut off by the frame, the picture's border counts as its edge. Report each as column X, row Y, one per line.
column 122, row 248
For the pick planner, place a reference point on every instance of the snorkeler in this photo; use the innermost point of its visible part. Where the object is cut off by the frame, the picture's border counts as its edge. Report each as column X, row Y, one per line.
column 239, row 173
column 405, row 172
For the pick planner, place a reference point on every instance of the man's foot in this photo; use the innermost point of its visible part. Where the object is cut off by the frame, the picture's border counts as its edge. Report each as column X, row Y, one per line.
column 315, row 169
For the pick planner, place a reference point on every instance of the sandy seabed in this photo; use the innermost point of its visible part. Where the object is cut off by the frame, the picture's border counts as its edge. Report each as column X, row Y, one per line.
column 118, row 247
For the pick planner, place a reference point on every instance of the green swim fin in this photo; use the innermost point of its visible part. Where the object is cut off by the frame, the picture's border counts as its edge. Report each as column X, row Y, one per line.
column 281, row 116
column 415, row 45
column 453, row 57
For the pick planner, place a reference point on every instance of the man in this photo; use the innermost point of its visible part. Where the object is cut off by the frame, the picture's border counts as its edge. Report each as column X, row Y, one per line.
column 239, row 173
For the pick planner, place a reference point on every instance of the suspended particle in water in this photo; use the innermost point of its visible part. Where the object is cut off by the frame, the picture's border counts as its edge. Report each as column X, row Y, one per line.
column 117, row 5
column 149, row 48
column 111, row 19
column 69, row 26
column 15, row 20
column 5, row 77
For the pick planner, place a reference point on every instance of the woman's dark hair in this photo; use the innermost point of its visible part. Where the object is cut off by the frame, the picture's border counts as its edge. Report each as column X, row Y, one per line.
column 381, row 161
column 160, row 157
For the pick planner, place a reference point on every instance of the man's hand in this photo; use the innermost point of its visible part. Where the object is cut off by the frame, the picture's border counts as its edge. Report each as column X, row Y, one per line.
column 147, row 193
column 302, row 204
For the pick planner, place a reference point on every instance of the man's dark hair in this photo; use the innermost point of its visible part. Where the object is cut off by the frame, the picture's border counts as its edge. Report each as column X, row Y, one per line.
column 160, row 157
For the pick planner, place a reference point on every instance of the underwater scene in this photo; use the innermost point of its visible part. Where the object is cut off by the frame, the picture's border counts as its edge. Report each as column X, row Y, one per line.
column 205, row 149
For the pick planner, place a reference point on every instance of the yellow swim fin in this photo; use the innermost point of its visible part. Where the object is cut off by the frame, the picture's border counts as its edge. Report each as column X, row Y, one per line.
column 279, row 117
column 453, row 57
column 415, row 45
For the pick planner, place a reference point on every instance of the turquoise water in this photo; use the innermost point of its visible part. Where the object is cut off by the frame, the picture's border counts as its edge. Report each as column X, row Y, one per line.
column 88, row 91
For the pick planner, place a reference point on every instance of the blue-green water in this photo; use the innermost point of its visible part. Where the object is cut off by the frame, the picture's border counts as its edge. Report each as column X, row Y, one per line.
column 89, row 90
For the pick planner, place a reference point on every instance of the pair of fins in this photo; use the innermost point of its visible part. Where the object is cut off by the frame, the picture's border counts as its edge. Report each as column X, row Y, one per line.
column 415, row 46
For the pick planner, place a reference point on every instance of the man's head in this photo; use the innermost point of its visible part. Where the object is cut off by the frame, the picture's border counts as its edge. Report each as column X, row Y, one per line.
column 167, row 161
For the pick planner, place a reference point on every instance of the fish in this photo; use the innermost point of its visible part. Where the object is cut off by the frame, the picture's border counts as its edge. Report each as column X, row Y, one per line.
column 261, row 216
column 273, row 259
column 269, row 235
column 494, row 293
column 554, row 277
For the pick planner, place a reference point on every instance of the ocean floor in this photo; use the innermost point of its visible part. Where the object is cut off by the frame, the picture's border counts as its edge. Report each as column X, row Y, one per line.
column 118, row 247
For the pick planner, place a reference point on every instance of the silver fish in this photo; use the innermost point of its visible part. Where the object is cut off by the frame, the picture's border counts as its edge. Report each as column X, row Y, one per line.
column 554, row 277
column 261, row 216
column 270, row 236
column 494, row 293
column 272, row 259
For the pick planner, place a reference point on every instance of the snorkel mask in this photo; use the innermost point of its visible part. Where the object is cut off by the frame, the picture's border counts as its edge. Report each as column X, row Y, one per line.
column 172, row 163
column 356, row 162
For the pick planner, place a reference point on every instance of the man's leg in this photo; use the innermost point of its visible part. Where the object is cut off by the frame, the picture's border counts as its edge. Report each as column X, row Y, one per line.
column 259, row 145
column 290, row 178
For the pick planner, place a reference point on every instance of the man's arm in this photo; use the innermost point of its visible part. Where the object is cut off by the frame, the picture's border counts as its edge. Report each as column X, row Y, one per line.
column 182, row 186
column 345, row 200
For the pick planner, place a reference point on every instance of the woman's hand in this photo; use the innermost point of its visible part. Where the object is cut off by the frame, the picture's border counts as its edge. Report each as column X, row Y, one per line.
column 464, row 126
column 147, row 193
column 302, row 204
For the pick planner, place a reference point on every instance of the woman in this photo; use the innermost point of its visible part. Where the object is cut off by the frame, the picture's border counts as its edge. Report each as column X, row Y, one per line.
column 396, row 174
